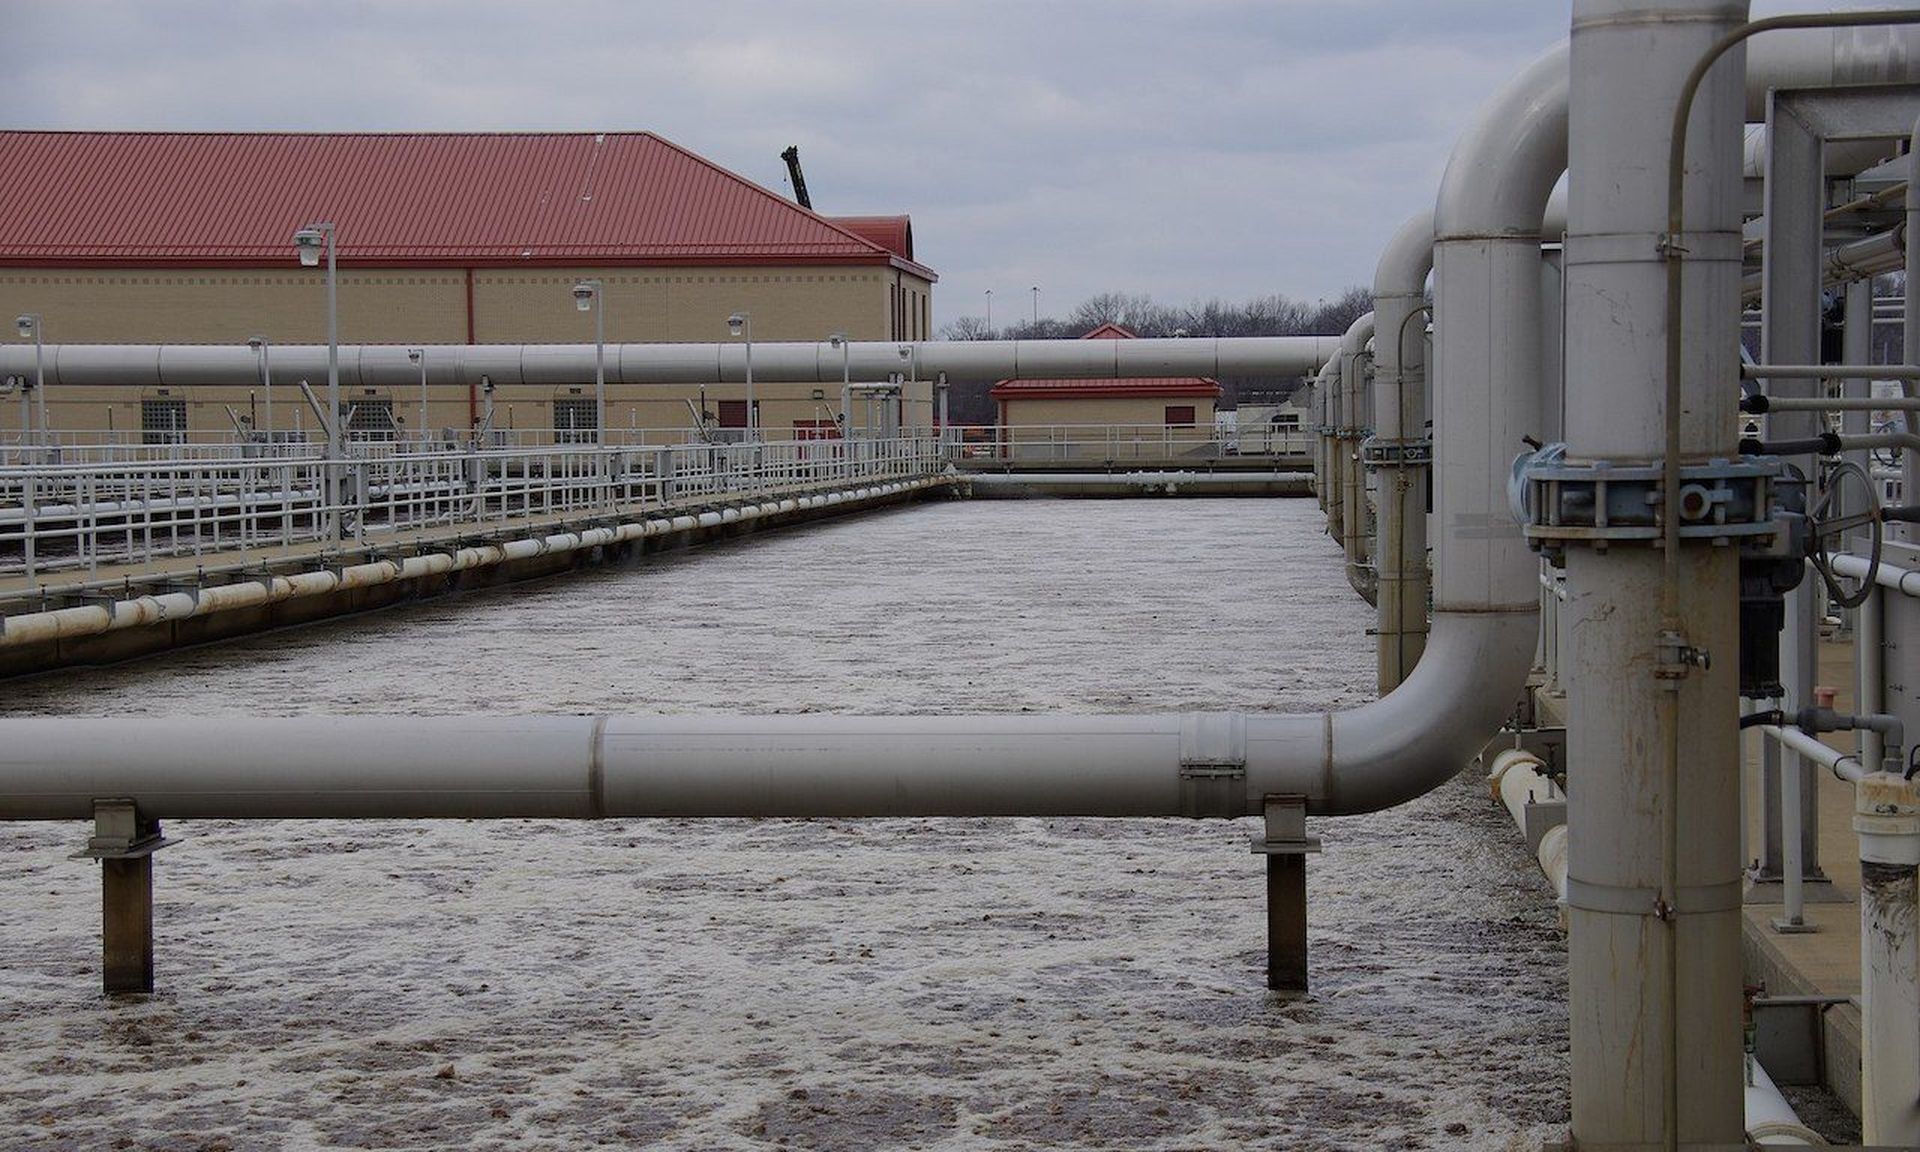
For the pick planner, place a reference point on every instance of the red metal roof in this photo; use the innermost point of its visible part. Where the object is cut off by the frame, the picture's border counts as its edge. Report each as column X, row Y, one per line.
column 894, row 233
column 145, row 198
column 1145, row 388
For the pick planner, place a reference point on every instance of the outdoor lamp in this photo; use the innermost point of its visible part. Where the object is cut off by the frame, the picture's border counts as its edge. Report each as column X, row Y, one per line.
column 308, row 241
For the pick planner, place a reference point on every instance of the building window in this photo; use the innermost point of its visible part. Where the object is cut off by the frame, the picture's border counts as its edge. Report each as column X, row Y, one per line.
column 163, row 421
column 575, row 420
column 1179, row 415
column 370, row 418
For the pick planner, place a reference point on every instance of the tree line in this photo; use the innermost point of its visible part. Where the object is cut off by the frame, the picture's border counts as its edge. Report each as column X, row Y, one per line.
column 1272, row 315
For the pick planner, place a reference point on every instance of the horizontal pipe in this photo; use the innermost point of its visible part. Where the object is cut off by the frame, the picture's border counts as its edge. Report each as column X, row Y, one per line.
column 1902, row 580
column 1149, row 477
column 1212, row 764
column 1518, row 778
column 376, row 365
column 1842, row 764
column 1840, row 403
column 1825, row 372
column 142, row 611
column 1901, row 440
column 1845, row 263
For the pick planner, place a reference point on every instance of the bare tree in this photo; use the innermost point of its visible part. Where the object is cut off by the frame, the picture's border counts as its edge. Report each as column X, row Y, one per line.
column 966, row 328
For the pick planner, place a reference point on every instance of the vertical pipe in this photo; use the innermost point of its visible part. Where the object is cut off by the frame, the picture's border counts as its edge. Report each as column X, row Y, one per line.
column 1399, row 388
column 1653, row 911
column 1910, row 320
column 1790, row 334
column 1353, row 472
column 1887, row 817
column 266, row 387
column 1866, row 619
column 335, row 434
column 600, row 367
column 1869, row 671
column 40, row 382
column 1793, row 895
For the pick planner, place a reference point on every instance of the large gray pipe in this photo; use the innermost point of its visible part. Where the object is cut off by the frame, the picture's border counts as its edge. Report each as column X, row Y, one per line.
column 1356, row 537
column 1326, row 449
column 370, row 365
column 1653, row 889
column 1399, row 424
column 1222, row 764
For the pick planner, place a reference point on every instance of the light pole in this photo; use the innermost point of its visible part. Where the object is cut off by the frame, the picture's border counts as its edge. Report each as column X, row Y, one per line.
column 419, row 356
column 309, row 242
column 741, row 323
column 911, row 354
column 839, row 340
column 587, row 298
column 1036, row 306
column 261, row 353
column 29, row 325
column 989, row 313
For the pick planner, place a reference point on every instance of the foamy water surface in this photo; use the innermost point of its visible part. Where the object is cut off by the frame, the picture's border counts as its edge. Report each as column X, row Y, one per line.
column 735, row 984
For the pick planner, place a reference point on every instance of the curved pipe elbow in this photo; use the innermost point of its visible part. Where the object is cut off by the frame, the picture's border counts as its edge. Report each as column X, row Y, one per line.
column 1406, row 262
column 1354, row 341
column 1410, row 741
column 1504, row 167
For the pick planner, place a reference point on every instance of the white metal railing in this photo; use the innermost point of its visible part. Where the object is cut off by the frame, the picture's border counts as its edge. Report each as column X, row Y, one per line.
column 68, row 517
column 108, row 446
column 1129, row 442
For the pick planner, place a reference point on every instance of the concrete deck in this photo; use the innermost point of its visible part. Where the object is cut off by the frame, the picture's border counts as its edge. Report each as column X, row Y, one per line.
column 1825, row 961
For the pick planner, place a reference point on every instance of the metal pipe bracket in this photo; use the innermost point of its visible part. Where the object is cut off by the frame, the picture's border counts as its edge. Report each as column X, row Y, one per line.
column 1599, row 504
column 1378, row 453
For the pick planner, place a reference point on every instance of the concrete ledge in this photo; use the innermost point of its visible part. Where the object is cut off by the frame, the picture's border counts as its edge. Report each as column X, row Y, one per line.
column 1114, row 485
column 689, row 529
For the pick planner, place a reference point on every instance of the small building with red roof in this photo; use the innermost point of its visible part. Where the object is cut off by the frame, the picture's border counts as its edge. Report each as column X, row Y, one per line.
column 443, row 238
column 1064, row 414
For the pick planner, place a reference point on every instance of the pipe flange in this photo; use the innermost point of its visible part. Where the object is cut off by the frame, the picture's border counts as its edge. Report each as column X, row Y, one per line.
column 1599, row 504
column 1378, row 453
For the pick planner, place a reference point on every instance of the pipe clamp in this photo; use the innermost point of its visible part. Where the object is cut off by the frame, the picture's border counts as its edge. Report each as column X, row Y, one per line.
column 1558, row 503
column 1378, row 453
column 1213, row 765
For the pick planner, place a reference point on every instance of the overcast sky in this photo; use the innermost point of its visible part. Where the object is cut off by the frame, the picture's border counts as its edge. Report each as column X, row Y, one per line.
column 1184, row 148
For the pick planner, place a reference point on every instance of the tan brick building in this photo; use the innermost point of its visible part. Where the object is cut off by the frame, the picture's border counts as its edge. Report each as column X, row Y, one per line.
column 1082, row 418
column 181, row 238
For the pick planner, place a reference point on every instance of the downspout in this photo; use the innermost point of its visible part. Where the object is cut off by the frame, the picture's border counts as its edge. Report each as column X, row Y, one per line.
column 1353, row 474
column 1399, row 442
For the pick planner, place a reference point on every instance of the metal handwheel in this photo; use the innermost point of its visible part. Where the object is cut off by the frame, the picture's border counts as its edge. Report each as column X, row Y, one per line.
column 1830, row 526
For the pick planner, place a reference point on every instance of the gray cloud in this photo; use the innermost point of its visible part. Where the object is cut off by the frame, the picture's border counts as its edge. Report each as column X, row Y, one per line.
column 1206, row 148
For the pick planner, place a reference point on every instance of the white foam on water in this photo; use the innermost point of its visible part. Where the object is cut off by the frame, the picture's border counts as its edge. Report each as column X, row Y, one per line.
column 947, row 984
